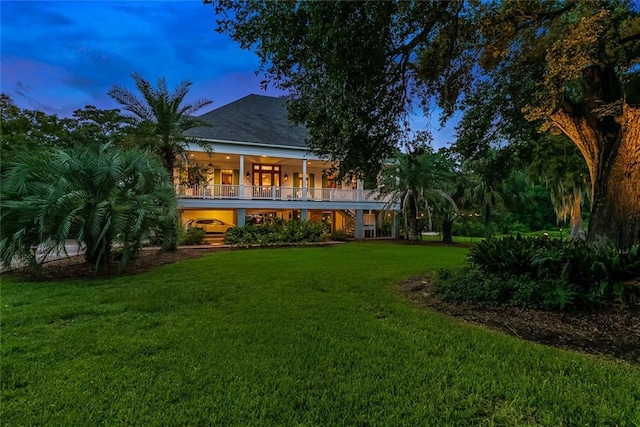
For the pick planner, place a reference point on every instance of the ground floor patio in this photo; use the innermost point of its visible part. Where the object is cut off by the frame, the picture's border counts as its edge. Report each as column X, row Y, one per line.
column 358, row 223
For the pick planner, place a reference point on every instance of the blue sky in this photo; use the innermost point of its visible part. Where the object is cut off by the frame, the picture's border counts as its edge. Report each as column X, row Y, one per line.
column 60, row 56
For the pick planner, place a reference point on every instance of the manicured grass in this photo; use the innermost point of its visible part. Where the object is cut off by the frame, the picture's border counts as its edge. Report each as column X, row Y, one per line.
column 301, row 336
column 456, row 239
column 554, row 234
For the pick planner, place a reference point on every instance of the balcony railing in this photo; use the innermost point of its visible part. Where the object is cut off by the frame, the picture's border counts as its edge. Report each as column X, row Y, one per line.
column 253, row 192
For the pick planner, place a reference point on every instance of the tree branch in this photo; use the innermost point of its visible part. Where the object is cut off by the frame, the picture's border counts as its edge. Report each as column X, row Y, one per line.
column 583, row 136
column 630, row 38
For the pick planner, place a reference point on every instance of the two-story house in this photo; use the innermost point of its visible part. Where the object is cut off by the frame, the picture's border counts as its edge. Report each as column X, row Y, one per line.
column 259, row 168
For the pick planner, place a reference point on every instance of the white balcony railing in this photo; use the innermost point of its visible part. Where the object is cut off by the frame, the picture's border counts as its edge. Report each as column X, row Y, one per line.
column 253, row 192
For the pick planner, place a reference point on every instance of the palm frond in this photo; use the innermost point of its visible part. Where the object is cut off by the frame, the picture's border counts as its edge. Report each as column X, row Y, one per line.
column 190, row 109
column 131, row 103
column 91, row 194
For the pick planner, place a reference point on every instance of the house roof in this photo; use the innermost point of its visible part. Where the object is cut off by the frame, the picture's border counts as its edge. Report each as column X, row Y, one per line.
column 252, row 119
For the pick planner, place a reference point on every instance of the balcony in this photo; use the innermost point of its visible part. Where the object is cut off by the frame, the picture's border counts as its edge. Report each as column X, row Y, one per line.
column 252, row 192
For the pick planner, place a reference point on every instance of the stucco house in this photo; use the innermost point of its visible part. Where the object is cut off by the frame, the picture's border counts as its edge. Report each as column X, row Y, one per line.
column 259, row 168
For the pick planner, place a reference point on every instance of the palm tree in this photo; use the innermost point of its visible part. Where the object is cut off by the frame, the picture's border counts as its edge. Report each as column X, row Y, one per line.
column 160, row 117
column 413, row 180
column 492, row 185
column 96, row 195
column 401, row 181
column 445, row 209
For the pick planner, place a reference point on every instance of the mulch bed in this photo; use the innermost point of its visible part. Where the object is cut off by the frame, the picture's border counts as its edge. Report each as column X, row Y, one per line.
column 614, row 331
column 75, row 267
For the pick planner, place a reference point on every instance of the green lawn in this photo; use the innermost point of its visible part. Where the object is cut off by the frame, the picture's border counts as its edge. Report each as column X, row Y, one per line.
column 456, row 239
column 301, row 336
column 554, row 234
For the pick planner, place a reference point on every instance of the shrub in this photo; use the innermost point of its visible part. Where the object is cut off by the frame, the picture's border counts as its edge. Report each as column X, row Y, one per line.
column 96, row 195
column 518, row 227
column 469, row 285
column 545, row 273
column 510, row 254
column 275, row 232
column 469, row 228
column 192, row 236
column 476, row 286
column 339, row 236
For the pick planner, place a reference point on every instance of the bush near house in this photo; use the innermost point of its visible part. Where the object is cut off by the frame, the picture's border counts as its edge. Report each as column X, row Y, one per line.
column 192, row 236
column 339, row 236
column 277, row 231
column 544, row 273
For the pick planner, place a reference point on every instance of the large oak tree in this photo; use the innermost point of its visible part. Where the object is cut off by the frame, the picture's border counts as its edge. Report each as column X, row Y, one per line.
column 355, row 69
column 574, row 68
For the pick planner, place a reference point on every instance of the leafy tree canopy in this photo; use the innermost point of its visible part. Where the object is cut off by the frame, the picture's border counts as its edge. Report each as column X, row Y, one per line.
column 354, row 69
column 350, row 67
column 28, row 130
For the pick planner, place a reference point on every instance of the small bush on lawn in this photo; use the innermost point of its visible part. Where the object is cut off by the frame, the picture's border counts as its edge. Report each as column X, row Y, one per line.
column 545, row 273
column 476, row 286
column 276, row 232
column 339, row 236
column 192, row 236
column 471, row 285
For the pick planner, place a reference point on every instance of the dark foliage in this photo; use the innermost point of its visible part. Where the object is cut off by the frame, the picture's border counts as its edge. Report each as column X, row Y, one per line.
column 339, row 236
column 275, row 232
column 96, row 195
column 545, row 273
column 192, row 236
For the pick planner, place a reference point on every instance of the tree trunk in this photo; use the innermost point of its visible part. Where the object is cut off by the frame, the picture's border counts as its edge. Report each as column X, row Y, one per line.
column 611, row 148
column 411, row 214
column 487, row 221
column 99, row 253
column 615, row 211
column 168, row 156
column 577, row 225
column 447, row 227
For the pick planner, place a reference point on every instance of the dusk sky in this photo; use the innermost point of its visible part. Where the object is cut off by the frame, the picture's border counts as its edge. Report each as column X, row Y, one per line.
column 61, row 56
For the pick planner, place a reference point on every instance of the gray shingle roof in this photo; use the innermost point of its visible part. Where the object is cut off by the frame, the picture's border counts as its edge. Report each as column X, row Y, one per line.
column 255, row 119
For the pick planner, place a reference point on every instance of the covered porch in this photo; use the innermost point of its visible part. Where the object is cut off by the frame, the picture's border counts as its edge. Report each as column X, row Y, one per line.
column 273, row 192
column 358, row 223
column 239, row 173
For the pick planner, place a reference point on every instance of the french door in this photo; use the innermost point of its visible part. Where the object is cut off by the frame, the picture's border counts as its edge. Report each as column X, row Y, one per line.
column 266, row 175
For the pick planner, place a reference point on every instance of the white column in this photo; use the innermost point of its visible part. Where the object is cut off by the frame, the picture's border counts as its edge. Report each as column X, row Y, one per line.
column 304, row 179
column 359, row 224
column 241, row 214
column 241, row 181
column 359, row 188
